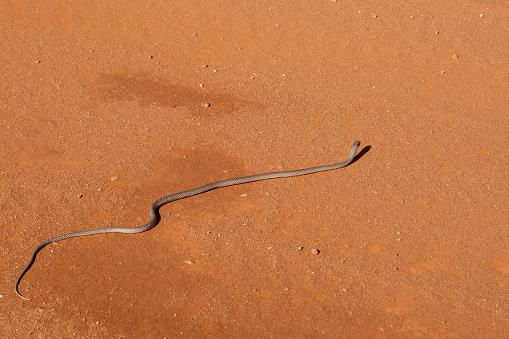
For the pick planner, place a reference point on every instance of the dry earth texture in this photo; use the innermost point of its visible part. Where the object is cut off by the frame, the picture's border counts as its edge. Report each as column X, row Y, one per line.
column 106, row 106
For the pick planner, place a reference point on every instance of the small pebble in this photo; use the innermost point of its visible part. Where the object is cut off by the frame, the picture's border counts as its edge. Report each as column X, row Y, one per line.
column 455, row 56
column 315, row 251
column 114, row 178
column 80, row 196
column 481, row 15
column 205, row 104
column 300, row 248
column 189, row 262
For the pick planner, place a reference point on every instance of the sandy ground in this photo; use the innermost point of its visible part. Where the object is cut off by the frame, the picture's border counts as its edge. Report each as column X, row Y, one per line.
column 108, row 105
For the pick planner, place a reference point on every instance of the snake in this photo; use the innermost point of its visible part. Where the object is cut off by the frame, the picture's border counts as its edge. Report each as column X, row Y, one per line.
column 154, row 209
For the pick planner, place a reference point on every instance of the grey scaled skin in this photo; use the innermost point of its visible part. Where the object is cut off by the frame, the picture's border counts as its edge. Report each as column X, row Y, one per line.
column 154, row 209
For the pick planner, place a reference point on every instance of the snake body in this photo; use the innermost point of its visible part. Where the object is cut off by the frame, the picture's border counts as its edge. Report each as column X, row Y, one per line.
column 154, row 209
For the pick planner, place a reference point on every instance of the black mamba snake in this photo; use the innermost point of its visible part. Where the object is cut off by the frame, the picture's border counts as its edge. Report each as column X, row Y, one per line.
column 154, row 209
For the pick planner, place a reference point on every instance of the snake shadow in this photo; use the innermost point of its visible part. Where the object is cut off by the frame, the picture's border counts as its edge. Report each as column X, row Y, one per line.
column 361, row 153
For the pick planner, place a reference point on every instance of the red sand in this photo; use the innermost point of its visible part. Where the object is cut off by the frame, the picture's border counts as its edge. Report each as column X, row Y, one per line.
column 102, row 114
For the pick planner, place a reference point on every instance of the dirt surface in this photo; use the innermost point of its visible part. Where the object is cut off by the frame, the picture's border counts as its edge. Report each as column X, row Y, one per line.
column 108, row 105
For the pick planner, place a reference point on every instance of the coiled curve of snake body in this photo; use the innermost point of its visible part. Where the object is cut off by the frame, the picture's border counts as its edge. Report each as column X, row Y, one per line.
column 154, row 209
